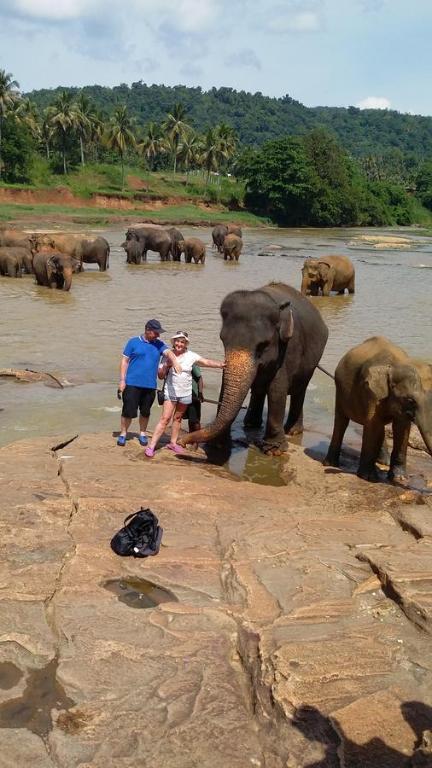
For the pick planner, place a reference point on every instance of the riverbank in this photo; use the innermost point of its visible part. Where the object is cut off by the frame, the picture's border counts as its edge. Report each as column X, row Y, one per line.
column 94, row 195
column 290, row 625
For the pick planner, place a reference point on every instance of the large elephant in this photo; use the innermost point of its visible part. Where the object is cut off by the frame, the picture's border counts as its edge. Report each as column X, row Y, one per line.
column 175, row 236
column 193, row 249
column 94, row 252
column 54, row 269
column 151, row 239
column 25, row 258
column 10, row 264
column 234, row 229
column 378, row 383
column 17, row 238
column 329, row 273
column 273, row 338
column 232, row 247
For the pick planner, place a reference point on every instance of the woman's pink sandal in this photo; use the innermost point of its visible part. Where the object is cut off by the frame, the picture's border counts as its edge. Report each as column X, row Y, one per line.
column 150, row 452
column 175, row 448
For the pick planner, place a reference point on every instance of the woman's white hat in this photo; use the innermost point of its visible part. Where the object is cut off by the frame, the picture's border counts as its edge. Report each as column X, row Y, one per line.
column 180, row 335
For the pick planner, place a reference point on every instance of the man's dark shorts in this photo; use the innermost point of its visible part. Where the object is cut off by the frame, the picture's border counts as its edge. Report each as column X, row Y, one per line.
column 137, row 397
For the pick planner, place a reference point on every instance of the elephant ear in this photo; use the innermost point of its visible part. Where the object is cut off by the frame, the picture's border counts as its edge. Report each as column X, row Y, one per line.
column 286, row 326
column 377, row 381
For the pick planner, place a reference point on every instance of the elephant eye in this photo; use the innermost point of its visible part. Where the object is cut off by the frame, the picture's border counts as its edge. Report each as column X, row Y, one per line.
column 261, row 347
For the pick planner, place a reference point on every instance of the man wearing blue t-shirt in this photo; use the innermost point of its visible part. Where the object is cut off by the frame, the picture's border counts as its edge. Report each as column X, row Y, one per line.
column 138, row 377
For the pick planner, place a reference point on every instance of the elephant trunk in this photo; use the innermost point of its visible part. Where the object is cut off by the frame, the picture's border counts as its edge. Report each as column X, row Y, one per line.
column 67, row 274
column 305, row 285
column 423, row 421
column 239, row 373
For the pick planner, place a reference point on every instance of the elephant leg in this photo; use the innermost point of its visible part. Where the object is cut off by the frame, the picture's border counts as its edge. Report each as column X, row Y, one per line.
column 384, row 454
column 401, row 431
column 294, row 422
column 253, row 418
column 351, row 285
column 373, row 437
column 275, row 441
column 342, row 292
column 339, row 428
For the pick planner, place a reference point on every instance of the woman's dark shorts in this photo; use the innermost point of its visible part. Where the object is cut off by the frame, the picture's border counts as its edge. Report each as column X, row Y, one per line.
column 137, row 397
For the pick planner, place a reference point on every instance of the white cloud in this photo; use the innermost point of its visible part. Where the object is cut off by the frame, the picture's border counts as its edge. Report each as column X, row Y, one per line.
column 303, row 21
column 59, row 10
column 244, row 58
column 374, row 102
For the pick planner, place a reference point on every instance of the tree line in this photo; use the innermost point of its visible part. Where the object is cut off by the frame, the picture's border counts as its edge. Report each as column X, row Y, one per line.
column 72, row 125
column 304, row 179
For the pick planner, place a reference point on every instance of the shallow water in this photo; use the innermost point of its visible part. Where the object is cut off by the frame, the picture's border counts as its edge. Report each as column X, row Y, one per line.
column 79, row 336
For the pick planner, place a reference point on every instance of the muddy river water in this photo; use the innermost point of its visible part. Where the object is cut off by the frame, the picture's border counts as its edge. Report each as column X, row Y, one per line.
column 79, row 336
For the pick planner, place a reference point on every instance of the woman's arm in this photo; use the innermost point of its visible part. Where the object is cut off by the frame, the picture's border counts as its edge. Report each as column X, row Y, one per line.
column 210, row 363
column 124, row 364
column 163, row 369
column 173, row 360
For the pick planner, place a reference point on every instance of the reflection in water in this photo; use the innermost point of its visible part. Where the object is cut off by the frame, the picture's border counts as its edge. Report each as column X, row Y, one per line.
column 139, row 593
column 79, row 336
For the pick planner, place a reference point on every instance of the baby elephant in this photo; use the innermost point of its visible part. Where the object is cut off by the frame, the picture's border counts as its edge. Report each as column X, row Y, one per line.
column 377, row 383
column 232, row 247
column 193, row 249
column 330, row 273
column 134, row 251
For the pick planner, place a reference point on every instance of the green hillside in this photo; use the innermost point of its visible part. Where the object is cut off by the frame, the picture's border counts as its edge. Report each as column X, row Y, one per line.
column 258, row 118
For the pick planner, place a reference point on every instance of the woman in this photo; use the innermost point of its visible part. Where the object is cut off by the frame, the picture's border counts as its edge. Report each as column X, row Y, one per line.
column 177, row 391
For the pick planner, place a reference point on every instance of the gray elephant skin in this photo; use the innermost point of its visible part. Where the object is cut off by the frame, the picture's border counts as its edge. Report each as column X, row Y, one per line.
column 193, row 249
column 273, row 338
column 54, row 270
column 220, row 231
column 232, row 247
column 94, row 252
column 10, row 263
column 151, row 239
column 329, row 273
column 176, row 236
column 133, row 251
column 377, row 383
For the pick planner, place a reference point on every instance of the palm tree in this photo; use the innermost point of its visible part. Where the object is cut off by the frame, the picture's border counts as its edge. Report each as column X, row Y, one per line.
column 227, row 140
column 210, row 152
column 120, row 134
column 175, row 128
column 152, row 144
column 63, row 121
column 46, row 129
column 26, row 112
column 84, row 116
column 188, row 150
column 8, row 96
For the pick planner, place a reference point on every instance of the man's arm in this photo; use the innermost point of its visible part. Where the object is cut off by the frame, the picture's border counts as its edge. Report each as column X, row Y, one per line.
column 124, row 364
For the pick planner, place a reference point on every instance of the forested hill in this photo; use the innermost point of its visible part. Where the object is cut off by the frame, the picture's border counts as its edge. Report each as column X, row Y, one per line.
column 258, row 118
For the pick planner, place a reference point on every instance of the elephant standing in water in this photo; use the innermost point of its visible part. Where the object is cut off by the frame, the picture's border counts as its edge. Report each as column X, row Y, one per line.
column 220, row 231
column 10, row 264
column 151, row 239
column 54, row 270
column 176, row 236
column 273, row 338
column 377, row 383
column 330, row 273
column 232, row 247
column 193, row 249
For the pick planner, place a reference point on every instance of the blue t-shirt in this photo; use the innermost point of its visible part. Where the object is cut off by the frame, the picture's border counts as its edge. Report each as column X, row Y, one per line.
column 144, row 359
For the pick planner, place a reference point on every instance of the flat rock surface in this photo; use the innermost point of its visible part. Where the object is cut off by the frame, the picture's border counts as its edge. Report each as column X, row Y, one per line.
column 282, row 627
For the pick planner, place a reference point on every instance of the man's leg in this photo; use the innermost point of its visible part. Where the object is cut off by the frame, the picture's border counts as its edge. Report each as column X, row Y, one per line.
column 146, row 401
column 129, row 412
column 124, row 425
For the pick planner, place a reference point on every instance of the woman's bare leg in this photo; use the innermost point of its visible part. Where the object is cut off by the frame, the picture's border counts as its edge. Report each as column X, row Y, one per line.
column 167, row 412
column 179, row 411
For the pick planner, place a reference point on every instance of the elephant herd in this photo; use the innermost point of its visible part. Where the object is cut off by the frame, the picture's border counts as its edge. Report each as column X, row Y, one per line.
column 51, row 258
column 170, row 243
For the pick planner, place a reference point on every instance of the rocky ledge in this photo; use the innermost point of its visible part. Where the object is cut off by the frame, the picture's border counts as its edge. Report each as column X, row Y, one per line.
column 279, row 627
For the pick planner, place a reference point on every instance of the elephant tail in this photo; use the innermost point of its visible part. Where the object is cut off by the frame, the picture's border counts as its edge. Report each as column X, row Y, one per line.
column 327, row 373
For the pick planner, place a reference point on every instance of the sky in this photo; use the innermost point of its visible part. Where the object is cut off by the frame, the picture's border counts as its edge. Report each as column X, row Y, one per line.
column 366, row 53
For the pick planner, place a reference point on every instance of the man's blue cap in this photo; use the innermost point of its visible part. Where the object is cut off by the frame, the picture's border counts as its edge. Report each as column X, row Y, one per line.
column 154, row 325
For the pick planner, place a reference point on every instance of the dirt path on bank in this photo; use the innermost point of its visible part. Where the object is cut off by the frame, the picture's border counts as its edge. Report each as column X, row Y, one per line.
column 299, row 632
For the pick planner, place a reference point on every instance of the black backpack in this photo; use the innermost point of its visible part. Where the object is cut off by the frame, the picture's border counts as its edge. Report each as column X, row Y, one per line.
column 140, row 537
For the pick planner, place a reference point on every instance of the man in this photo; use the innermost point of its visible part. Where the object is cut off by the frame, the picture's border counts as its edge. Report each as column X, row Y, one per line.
column 138, row 377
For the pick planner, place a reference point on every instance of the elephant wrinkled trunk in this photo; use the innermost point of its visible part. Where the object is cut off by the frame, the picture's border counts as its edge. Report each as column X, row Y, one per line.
column 239, row 372
column 67, row 274
column 423, row 420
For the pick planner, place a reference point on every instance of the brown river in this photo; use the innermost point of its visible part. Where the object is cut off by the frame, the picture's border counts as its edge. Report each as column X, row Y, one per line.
column 79, row 336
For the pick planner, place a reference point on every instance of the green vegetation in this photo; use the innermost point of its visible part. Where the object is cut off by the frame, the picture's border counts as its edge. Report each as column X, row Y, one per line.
column 188, row 149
